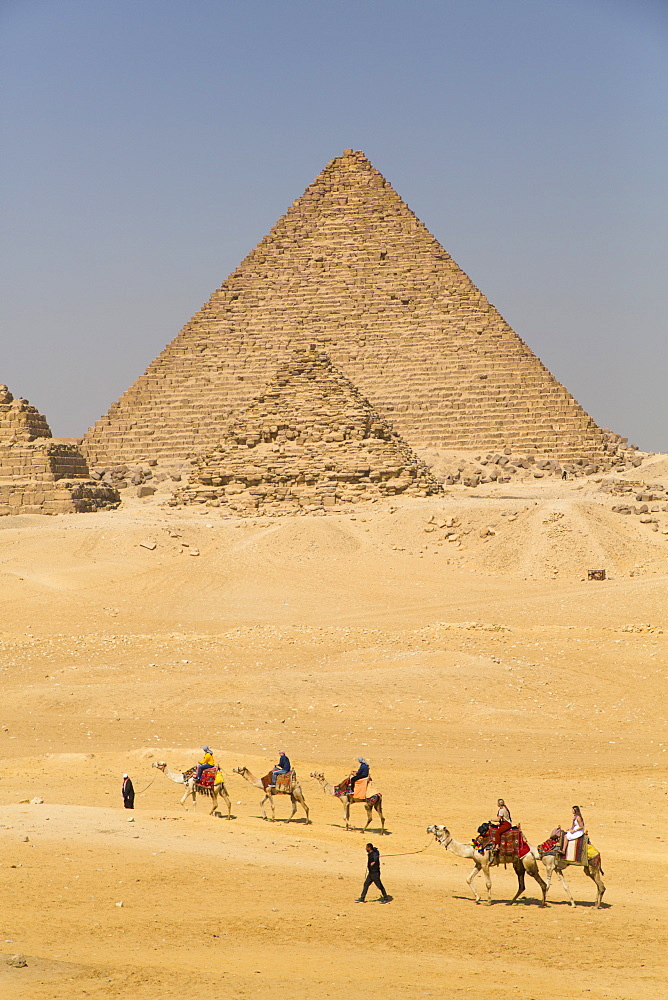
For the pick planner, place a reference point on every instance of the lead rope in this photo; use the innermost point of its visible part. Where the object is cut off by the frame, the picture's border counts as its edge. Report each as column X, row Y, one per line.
column 405, row 853
column 147, row 787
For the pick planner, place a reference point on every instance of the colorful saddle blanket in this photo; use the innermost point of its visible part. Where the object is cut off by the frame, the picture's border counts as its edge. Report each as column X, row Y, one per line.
column 283, row 781
column 512, row 844
column 360, row 790
column 550, row 846
column 343, row 788
column 208, row 779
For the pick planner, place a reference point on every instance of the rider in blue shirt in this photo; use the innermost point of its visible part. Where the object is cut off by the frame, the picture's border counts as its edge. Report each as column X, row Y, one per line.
column 284, row 767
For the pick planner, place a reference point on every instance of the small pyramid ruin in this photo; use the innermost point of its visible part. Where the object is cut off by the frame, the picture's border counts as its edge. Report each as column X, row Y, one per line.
column 40, row 474
column 310, row 440
column 351, row 267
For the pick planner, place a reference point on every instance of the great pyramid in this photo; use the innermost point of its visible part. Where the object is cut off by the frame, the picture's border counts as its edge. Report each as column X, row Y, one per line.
column 40, row 474
column 310, row 440
column 350, row 267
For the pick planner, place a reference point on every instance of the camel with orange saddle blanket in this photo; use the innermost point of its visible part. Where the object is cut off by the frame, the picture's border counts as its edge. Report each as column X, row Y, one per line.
column 343, row 791
column 286, row 784
column 211, row 784
column 513, row 849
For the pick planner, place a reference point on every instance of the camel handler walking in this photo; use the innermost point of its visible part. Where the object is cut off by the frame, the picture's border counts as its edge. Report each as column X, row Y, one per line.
column 373, row 875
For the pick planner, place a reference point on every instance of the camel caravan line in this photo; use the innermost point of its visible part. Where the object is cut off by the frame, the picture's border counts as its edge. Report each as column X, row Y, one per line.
column 516, row 851
column 498, row 842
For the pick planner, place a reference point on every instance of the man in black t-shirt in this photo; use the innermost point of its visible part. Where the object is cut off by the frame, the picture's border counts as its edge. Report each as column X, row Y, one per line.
column 373, row 875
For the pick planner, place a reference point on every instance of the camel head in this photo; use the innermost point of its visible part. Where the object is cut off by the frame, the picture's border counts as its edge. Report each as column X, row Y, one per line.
column 440, row 832
column 239, row 770
column 318, row 775
column 161, row 764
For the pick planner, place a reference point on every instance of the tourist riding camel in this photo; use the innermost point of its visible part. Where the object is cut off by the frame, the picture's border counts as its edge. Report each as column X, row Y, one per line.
column 205, row 763
column 283, row 767
column 359, row 775
column 500, row 825
column 574, row 833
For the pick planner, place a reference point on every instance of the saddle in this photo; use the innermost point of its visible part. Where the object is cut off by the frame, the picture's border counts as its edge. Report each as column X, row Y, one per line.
column 359, row 793
column 283, row 781
column 209, row 777
column 359, row 790
column 512, row 843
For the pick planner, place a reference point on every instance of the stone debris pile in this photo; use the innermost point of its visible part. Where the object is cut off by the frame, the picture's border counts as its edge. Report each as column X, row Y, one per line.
column 502, row 466
column 310, row 441
column 40, row 474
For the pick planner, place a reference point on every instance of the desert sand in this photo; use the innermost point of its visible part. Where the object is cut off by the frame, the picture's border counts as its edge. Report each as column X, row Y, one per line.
column 465, row 669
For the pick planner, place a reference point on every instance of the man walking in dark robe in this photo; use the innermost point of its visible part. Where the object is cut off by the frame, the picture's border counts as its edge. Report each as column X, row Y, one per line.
column 373, row 875
column 128, row 793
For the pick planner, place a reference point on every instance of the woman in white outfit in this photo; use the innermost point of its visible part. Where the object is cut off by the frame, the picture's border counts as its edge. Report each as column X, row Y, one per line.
column 576, row 831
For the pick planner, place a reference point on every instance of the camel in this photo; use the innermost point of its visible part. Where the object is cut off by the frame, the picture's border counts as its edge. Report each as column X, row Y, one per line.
column 370, row 803
column 192, row 789
column 294, row 791
column 483, row 862
column 593, row 870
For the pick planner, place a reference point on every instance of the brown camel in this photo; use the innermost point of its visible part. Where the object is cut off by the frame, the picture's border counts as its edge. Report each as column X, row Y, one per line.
column 293, row 790
column 370, row 803
column 193, row 789
column 483, row 862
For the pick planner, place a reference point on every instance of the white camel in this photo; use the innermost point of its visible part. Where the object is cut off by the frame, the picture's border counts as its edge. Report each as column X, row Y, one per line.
column 592, row 869
column 217, row 791
column 293, row 790
column 483, row 862
column 370, row 803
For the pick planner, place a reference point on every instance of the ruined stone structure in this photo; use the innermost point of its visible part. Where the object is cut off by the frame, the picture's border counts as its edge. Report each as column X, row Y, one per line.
column 40, row 474
column 310, row 440
column 350, row 267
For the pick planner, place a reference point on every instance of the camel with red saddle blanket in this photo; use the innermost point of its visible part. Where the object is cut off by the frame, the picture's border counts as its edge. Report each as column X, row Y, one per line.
column 342, row 791
column 286, row 784
column 212, row 784
column 514, row 850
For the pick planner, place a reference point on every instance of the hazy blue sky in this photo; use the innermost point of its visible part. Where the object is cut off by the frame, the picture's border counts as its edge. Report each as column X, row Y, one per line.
column 148, row 145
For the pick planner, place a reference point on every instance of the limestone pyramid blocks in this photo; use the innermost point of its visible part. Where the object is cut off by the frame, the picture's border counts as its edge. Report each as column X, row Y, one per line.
column 40, row 474
column 309, row 440
column 350, row 268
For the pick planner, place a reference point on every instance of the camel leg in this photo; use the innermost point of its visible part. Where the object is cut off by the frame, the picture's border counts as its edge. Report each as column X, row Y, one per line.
column 594, row 875
column 564, row 883
column 471, row 885
column 293, row 803
column 346, row 814
column 488, row 884
column 532, row 869
column 369, row 813
column 264, row 811
column 519, row 871
column 379, row 810
column 225, row 797
column 185, row 796
column 302, row 802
